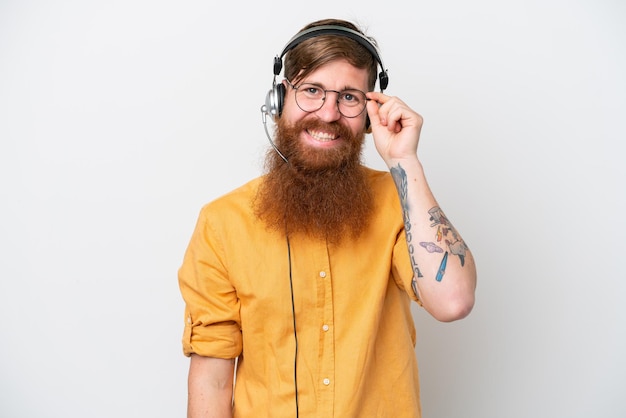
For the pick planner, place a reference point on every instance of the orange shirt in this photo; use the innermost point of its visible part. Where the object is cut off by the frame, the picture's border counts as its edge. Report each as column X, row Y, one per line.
column 354, row 329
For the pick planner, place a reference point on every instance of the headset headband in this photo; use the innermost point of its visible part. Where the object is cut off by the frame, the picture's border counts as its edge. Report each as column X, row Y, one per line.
column 383, row 78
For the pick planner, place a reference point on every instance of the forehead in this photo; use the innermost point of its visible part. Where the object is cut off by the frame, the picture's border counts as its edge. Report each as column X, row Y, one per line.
column 339, row 75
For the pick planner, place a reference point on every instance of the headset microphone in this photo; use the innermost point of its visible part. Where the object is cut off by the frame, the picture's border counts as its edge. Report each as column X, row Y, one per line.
column 264, row 112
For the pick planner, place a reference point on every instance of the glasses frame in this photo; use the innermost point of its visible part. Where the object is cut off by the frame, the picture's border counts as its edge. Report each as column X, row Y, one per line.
column 326, row 91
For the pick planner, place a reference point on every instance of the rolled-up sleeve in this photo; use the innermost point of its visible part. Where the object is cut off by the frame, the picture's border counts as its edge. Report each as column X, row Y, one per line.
column 212, row 320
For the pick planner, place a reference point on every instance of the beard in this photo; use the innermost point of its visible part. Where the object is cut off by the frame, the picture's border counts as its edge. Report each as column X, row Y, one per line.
column 321, row 193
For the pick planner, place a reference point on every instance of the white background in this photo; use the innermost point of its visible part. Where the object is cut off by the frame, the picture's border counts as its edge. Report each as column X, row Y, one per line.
column 119, row 119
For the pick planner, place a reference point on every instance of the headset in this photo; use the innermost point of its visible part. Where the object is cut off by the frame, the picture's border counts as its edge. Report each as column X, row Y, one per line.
column 275, row 97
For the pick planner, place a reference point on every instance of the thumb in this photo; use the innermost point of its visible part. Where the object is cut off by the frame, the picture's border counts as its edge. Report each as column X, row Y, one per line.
column 372, row 112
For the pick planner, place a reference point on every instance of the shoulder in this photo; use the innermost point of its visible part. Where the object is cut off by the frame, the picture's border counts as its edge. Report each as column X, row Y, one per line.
column 382, row 184
column 236, row 204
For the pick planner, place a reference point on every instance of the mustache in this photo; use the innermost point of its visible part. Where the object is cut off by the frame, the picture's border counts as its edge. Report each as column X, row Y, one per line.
column 335, row 128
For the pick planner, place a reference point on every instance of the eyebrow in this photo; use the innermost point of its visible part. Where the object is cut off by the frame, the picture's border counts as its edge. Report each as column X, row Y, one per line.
column 320, row 85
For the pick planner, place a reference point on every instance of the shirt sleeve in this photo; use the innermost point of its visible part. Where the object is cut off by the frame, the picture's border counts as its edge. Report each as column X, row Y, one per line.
column 212, row 321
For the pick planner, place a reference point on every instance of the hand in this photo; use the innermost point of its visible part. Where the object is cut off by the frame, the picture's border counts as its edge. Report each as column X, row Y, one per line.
column 395, row 126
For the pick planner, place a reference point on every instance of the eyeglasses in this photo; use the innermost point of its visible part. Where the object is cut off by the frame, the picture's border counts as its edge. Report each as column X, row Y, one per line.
column 310, row 98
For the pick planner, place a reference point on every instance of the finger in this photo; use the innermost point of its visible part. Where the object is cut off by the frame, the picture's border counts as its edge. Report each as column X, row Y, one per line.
column 378, row 97
column 373, row 112
column 375, row 107
column 393, row 114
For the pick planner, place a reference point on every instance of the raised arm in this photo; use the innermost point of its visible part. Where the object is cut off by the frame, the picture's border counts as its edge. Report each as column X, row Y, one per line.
column 444, row 273
column 210, row 386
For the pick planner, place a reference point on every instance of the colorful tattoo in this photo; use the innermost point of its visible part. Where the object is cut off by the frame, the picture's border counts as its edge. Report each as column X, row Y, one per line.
column 442, row 267
column 431, row 247
column 447, row 233
column 399, row 177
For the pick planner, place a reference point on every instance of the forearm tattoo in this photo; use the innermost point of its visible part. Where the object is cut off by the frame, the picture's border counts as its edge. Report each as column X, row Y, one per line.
column 399, row 177
column 445, row 232
column 449, row 235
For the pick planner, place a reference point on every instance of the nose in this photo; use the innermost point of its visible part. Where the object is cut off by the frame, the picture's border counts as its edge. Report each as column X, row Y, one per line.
column 329, row 111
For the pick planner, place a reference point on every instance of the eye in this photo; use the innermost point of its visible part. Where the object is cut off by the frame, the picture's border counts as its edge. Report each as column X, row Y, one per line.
column 351, row 97
column 348, row 97
column 311, row 91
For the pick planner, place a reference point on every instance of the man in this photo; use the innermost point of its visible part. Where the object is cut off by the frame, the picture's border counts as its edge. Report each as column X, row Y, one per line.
column 305, row 275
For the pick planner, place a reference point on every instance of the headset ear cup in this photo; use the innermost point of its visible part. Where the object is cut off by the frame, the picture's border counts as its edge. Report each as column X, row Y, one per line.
column 274, row 101
column 279, row 92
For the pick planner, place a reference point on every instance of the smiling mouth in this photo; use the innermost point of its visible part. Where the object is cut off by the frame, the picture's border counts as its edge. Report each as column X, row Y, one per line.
column 322, row 136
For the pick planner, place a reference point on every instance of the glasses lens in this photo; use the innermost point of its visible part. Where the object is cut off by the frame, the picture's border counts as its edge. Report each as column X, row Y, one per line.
column 310, row 98
column 351, row 103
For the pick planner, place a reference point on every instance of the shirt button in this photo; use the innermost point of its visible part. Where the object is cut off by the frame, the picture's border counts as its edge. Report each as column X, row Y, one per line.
column 326, row 381
column 322, row 274
column 325, row 327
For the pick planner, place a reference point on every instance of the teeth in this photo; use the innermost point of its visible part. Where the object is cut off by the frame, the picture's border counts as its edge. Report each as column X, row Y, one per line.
column 322, row 136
